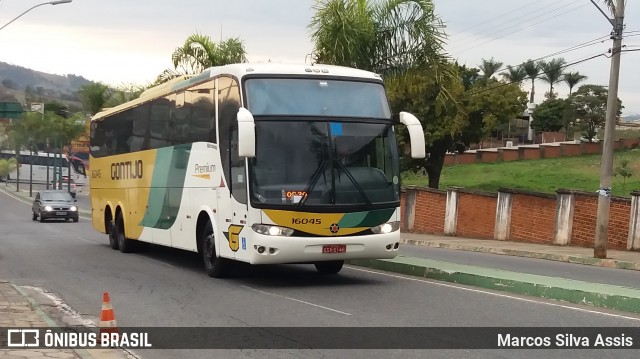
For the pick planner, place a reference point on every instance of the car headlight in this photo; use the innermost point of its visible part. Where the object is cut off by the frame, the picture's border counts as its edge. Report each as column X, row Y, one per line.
column 48, row 208
column 73, row 208
column 386, row 228
column 272, row 230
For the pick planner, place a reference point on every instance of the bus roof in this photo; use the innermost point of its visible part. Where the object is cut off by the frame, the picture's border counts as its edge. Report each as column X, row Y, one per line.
column 29, row 153
column 239, row 71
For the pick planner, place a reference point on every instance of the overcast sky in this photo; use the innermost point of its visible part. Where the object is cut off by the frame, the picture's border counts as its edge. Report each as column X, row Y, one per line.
column 130, row 42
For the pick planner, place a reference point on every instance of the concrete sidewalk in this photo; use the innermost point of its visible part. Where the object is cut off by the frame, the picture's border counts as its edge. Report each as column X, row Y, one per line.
column 19, row 310
column 520, row 282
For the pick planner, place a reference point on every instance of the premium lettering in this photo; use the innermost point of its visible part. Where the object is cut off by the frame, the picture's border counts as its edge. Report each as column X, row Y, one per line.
column 126, row 170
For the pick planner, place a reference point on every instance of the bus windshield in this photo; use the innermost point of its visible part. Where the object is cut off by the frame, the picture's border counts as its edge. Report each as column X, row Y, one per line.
column 316, row 97
column 324, row 163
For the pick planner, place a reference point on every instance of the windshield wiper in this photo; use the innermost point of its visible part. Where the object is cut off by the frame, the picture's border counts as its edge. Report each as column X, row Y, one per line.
column 312, row 183
column 355, row 183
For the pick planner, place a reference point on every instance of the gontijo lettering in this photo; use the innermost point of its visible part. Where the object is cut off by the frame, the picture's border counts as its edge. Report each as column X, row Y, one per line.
column 126, row 170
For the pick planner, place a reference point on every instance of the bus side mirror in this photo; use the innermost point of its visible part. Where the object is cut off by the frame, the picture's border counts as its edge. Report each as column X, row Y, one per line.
column 246, row 134
column 416, row 134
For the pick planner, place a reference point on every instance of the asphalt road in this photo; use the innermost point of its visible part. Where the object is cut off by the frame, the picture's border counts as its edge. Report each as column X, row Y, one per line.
column 163, row 287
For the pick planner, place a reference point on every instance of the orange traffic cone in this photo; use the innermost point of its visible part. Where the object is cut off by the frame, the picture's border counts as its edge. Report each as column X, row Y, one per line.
column 107, row 317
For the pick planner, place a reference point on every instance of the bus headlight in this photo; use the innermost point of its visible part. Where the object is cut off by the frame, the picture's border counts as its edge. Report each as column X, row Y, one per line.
column 272, row 230
column 386, row 228
column 48, row 208
column 73, row 208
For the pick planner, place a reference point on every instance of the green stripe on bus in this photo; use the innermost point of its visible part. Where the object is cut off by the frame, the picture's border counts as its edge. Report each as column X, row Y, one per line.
column 167, row 184
column 366, row 219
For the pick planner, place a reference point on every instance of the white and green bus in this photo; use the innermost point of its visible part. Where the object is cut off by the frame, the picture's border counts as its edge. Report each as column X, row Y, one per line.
column 260, row 163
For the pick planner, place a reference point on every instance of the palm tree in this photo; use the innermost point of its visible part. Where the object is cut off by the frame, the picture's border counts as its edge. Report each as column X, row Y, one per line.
column 387, row 36
column 532, row 68
column 489, row 67
column 572, row 79
column 94, row 96
column 515, row 74
column 552, row 72
column 200, row 52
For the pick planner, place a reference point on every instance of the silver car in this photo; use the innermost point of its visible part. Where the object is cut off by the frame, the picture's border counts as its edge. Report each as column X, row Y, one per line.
column 54, row 204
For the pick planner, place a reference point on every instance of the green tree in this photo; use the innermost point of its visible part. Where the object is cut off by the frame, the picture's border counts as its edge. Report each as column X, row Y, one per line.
column 623, row 170
column 515, row 74
column 490, row 106
column 572, row 79
column 403, row 40
column 589, row 103
column 388, row 36
column 489, row 67
column 125, row 93
column 532, row 68
column 7, row 166
column 552, row 73
column 94, row 96
column 199, row 52
column 550, row 115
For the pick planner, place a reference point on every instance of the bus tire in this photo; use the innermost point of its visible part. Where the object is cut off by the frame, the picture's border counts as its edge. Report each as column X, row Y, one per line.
column 124, row 244
column 215, row 267
column 113, row 240
column 329, row 267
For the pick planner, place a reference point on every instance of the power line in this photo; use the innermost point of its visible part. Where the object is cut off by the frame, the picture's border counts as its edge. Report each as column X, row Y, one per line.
column 510, row 29
column 528, row 77
column 512, row 32
column 499, row 24
column 497, row 16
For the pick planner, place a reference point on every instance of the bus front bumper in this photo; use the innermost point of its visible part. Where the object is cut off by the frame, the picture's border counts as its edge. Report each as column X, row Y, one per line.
column 279, row 250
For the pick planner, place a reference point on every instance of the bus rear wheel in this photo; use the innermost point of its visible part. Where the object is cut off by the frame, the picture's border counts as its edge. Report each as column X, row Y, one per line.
column 125, row 244
column 329, row 267
column 215, row 267
column 113, row 240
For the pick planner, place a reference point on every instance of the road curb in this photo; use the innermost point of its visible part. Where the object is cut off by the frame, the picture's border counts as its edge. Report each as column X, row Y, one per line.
column 566, row 290
column 607, row 263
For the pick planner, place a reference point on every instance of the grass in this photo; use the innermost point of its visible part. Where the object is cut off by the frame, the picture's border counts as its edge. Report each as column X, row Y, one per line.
column 546, row 175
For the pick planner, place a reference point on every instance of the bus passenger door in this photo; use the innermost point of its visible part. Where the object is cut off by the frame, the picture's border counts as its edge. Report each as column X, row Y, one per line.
column 239, row 196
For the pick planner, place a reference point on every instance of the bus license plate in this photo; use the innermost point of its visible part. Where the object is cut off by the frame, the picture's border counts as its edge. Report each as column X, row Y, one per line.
column 334, row 248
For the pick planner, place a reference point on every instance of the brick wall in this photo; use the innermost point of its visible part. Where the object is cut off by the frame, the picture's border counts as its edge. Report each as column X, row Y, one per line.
column 531, row 153
column 532, row 217
column 509, row 154
column 584, row 221
column 430, row 210
column 591, row 148
column 552, row 152
column 476, row 214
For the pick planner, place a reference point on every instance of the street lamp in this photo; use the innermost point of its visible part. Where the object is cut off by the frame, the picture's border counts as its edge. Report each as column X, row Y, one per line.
column 58, row 2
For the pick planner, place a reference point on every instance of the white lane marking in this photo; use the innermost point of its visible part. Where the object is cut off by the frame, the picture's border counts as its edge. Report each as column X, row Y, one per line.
column 433, row 281
column 157, row 261
column 295, row 300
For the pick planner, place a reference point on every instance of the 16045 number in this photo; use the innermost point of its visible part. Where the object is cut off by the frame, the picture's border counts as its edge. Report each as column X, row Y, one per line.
column 306, row 221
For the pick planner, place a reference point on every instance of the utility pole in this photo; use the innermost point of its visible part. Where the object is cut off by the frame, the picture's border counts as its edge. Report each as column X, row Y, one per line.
column 606, row 167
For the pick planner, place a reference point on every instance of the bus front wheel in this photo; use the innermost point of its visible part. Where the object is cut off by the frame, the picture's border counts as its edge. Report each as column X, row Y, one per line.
column 329, row 267
column 216, row 267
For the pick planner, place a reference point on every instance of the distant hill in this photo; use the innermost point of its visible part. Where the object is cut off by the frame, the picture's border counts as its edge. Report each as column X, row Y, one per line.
column 20, row 82
column 632, row 118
